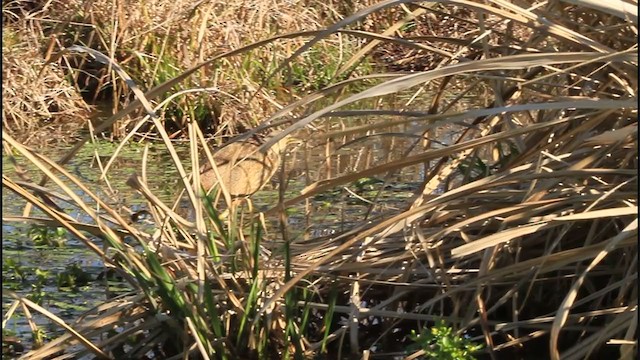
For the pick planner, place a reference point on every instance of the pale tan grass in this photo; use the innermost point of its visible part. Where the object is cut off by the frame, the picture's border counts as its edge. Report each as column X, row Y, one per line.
column 36, row 99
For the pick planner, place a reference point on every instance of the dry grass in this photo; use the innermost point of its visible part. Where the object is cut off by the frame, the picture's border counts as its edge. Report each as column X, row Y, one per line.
column 522, row 232
column 157, row 41
column 37, row 100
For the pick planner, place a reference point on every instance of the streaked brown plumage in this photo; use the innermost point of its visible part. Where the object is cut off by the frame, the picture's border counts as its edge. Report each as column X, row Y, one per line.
column 243, row 168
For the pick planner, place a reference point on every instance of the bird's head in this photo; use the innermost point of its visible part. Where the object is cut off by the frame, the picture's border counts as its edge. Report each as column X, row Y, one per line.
column 280, row 145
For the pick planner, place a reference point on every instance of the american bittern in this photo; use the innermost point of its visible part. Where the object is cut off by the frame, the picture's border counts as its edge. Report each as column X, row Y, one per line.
column 242, row 168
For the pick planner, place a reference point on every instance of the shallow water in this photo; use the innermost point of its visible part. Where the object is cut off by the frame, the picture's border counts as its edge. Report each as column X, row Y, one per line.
column 23, row 260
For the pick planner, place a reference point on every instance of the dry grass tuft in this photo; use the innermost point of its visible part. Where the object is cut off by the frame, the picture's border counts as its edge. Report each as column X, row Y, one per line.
column 37, row 99
column 156, row 41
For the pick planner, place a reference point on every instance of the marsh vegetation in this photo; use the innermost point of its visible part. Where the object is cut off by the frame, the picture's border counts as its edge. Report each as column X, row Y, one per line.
column 463, row 184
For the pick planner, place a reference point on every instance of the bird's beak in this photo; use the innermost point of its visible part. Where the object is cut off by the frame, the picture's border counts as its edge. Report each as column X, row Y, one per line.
column 293, row 143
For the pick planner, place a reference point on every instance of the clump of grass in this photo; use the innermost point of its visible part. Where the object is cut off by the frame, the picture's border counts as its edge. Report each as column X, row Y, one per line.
column 158, row 41
column 37, row 100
